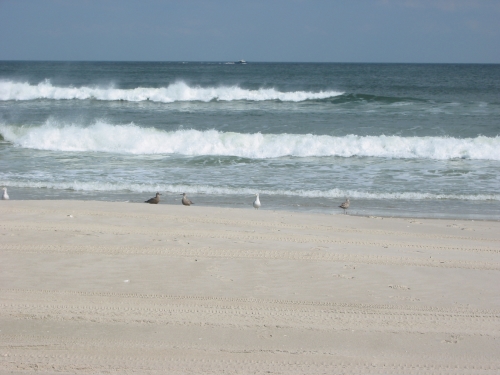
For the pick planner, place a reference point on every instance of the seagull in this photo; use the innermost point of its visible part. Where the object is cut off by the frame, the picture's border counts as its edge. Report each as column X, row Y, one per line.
column 256, row 202
column 5, row 196
column 185, row 200
column 154, row 200
column 345, row 205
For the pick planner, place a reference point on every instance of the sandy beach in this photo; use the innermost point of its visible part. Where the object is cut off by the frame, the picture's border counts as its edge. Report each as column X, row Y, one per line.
column 121, row 288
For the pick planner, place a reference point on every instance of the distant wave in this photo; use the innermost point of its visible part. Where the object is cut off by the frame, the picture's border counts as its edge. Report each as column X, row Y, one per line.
column 366, row 98
column 132, row 139
column 176, row 92
column 223, row 191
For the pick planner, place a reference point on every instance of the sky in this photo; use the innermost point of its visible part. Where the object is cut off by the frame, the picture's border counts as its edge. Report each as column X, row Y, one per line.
column 394, row 31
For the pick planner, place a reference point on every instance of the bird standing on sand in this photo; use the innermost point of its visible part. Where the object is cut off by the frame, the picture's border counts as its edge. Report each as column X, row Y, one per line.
column 185, row 200
column 345, row 205
column 5, row 196
column 256, row 202
column 154, row 200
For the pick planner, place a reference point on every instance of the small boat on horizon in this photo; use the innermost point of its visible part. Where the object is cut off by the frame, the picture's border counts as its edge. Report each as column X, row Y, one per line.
column 240, row 62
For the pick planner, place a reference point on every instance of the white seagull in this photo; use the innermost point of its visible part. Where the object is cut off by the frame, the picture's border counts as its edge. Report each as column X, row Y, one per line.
column 256, row 202
column 5, row 196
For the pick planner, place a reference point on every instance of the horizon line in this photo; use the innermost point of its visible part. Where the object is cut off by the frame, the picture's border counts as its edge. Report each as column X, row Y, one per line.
column 249, row 61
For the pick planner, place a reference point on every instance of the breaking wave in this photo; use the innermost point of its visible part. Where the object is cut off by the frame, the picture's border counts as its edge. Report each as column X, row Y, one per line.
column 223, row 191
column 175, row 92
column 133, row 139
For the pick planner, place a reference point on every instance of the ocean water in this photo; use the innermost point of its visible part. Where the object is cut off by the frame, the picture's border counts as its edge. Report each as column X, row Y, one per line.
column 412, row 140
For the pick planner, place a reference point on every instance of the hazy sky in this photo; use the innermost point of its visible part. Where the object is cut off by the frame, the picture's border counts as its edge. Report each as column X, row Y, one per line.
column 462, row 31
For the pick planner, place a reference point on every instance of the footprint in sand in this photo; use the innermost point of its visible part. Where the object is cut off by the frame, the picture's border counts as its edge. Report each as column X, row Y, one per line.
column 399, row 287
column 415, row 222
column 214, row 273
column 343, row 276
column 411, row 299
column 453, row 339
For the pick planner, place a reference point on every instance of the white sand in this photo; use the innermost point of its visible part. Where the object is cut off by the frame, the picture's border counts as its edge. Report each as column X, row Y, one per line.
column 123, row 288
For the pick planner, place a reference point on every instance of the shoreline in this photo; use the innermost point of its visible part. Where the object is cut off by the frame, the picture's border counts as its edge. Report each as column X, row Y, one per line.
column 94, row 287
column 354, row 210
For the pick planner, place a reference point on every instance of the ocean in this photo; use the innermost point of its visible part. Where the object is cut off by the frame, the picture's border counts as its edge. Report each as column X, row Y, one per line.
column 406, row 140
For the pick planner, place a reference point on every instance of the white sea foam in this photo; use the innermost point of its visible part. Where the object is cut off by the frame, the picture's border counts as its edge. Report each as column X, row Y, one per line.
column 133, row 139
column 97, row 186
column 176, row 92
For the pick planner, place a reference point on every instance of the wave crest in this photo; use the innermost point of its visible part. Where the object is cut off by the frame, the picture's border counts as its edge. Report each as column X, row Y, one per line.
column 132, row 139
column 176, row 92
column 224, row 191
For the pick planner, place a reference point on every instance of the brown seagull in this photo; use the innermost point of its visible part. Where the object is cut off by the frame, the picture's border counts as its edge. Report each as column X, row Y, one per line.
column 185, row 200
column 345, row 205
column 154, row 200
